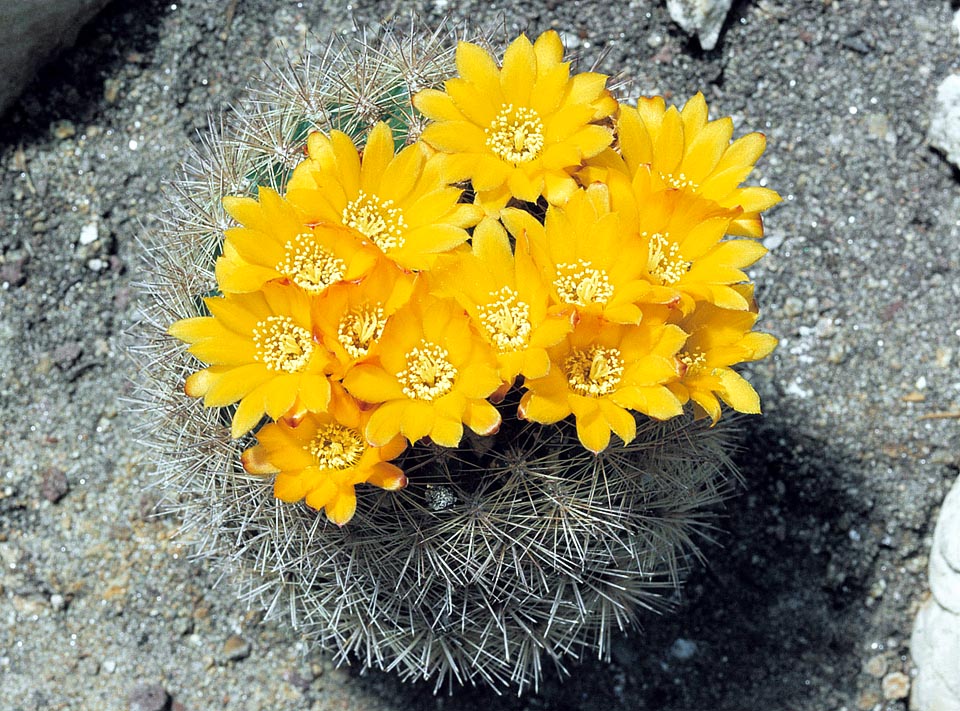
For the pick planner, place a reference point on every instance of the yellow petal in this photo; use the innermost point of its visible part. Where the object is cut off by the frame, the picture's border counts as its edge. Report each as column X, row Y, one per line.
column 478, row 67
column 436, row 105
column 548, row 49
column 738, row 393
column 619, row 420
column 290, row 487
column 255, row 461
column 384, row 423
column 387, row 476
column 377, row 154
column 446, row 432
column 341, row 509
column 372, row 383
column 416, row 420
column 543, row 409
column 482, row 417
column 519, row 72
column 592, row 427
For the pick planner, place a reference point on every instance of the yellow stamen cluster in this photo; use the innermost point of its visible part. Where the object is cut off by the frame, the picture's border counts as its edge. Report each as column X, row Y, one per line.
column 429, row 374
column 506, row 320
column 595, row 371
column 516, row 134
column 664, row 260
column 377, row 219
column 581, row 284
column 310, row 265
column 371, row 305
column 281, row 344
column 337, row 447
column 360, row 328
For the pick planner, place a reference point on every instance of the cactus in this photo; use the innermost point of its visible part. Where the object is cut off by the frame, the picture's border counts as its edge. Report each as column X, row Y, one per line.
column 509, row 550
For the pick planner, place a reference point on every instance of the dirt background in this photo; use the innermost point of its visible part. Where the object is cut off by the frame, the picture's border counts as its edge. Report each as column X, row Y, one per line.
column 808, row 596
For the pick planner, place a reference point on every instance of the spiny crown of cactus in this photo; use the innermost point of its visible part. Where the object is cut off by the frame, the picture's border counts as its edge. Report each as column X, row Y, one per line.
column 433, row 285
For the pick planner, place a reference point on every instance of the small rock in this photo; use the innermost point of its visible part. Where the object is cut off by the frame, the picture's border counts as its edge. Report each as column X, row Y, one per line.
column 58, row 601
column 896, row 685
column 109, row 666
column 54, row 485
column 867, row 700
column 97, row 265
column 12, row 273
column 703, row 17
column 792, row 306
column 66, row 354
column 149, row 697
column 944, row 132
column 236, row 648
column 63, row 129
column 111, row 90
column 683, row 649
column 876, row 666
column 89, row 233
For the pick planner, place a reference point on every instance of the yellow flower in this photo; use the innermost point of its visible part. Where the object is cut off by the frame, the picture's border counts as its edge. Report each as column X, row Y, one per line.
column 261, row 351
column 433, row 375
column 718, row 340
column 275, row 242
column 399, row 203
column 517, row 130
column 323, row 457
column 600, row 372
column 350, row 317
column 686, row 255
column 504, row 295
column 584, row 256
column 682, row 150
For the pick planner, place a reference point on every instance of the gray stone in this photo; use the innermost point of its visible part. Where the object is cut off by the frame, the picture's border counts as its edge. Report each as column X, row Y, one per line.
column 31, row 33
column 704, row 18
column 149, row 697
column 935, row 644
column 944, row 132
column 945, row 554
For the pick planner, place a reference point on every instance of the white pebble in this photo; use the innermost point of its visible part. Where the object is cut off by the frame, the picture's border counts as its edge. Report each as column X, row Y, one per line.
column 89, row 233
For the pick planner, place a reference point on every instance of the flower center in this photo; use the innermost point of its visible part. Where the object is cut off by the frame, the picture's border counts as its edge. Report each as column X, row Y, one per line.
column 376, row 219
column 678, row 181
column 594, row 372
column 281, row 344
column 506, row 320
column 336, row 447
column 310, row 266
column 516, row 135
column 664, row 260
column 360, row 328
column 695, row 362
column 428, row 374
column 581, row 285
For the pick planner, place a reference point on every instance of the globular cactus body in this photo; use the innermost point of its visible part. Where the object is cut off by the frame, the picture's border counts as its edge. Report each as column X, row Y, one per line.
column 499, row 554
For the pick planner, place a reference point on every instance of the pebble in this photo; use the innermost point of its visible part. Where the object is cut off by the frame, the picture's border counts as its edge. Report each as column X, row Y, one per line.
column 63, row 129
column 12, row 272
column 876, row 666
column 89, row 233
column 683, row 649
column 236, row 648
column 944, row 131
column 54, row 485
column 109, row 666
column 98, row 265
column 896, row 685
column 149, row 697
column 704, row 18
column 867, row 700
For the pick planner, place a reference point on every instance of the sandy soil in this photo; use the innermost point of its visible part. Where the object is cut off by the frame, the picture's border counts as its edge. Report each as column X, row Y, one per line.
column 807, row 600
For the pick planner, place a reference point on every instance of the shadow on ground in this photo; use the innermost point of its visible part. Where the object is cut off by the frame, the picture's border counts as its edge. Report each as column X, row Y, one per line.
column 772, row 615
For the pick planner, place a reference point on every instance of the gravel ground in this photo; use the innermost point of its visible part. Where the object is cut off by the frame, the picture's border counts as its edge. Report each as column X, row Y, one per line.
column 806, row 601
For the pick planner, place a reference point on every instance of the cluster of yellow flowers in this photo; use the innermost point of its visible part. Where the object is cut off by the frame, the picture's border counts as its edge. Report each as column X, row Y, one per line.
column 591, row 263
